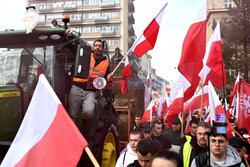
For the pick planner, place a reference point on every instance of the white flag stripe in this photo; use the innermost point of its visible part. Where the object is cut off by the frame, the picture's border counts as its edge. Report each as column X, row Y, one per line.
column 42, row 119
column 141, row 39
column 202, row 15
column 159, row 17
column 216, row 36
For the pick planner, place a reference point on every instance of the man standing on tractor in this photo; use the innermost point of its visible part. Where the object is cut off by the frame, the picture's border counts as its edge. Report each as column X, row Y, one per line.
column 81, row 94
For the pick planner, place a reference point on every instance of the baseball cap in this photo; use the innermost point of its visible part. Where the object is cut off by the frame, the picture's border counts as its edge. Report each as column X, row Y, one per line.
column 176, row 121
column 145, row 127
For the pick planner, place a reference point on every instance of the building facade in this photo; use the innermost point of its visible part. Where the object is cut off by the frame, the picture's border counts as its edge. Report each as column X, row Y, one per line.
column 216, row 10
column 110, row 20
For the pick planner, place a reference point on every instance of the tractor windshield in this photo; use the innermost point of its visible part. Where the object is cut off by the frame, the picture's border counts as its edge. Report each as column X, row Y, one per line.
column 22, row 65
column 9, row 65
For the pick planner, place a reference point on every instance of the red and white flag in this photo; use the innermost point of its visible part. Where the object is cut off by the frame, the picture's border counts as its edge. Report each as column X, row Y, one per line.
column 168, row 91
column 126, row 73
column 175, row 108
column 226, row 108
column 148, row 39
column 195, row 103
column 236, row 89
column 193, row 50
column 244, row 107
column 213, row 67
column 147, row 92
column 162, row 106
column 47, row 136
column 147, row 115
column 216, row 108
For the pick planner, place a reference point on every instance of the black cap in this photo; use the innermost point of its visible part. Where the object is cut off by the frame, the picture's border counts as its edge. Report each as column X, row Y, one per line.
column 117, row 49
column 236, row 142
column 176, row 121
column 146, row 127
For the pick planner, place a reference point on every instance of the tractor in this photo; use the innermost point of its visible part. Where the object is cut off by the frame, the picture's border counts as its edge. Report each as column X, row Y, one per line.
column 24, row 57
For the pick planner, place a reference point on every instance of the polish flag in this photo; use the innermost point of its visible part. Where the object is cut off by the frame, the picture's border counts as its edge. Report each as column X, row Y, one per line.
column 193, row 50
column 47, row 136
column 168, row 91
column 244, row 107
column 216, row 109
column 147, row 115
column 175, row 108
column 148, row 39
column 195, row 103
column 228, row 114
column 126, row 73
column 147, row 93
column 235, row 90
column 162, row 106
column 213, row 66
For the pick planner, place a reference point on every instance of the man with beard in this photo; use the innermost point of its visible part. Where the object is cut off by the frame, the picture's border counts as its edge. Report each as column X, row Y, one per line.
column 192, row 148
column 81, row 92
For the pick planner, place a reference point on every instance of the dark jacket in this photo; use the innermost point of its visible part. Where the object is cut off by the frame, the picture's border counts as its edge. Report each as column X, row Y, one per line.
column 165, row 143
column 196, row 149
column 134, row 164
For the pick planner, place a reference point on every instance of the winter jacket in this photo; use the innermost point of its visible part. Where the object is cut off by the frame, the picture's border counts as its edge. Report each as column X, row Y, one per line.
column 232, row 159
column 125, row 160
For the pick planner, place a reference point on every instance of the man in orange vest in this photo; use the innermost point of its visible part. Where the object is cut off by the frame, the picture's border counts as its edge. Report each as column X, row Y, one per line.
column 81, row 94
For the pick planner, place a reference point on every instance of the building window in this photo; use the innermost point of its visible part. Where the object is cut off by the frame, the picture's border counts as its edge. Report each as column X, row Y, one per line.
column 79, row 3
column 50, row 17
column 70, row 4
column 91, row 2
column 96, row 29
column 75, row 17
column 41, row 18
column 58, row 4
column 85, row 16
column 110, row 1
column 228, row 3
column 113, row 42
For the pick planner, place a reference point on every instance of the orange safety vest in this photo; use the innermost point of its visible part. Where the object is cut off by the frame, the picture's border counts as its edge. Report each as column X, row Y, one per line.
column 95, row 71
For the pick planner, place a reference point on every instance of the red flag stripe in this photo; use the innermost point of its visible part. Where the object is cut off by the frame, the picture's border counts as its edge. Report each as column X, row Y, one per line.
column 126, row 73
column 54, row 146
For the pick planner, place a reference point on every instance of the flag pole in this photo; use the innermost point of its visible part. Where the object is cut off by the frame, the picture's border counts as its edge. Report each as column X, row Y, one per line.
column 202, row 92
column 91, row 157
column 182, row 122
column 126, row 55
column 223, row 88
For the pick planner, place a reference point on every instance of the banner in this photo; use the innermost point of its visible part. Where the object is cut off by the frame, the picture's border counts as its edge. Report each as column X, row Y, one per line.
column 244, row 106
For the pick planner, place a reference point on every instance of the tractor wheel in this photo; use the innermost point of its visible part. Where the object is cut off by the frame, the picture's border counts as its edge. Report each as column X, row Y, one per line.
column 110, row 150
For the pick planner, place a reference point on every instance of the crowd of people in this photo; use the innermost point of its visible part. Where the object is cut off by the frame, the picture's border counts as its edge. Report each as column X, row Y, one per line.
column 157, row 144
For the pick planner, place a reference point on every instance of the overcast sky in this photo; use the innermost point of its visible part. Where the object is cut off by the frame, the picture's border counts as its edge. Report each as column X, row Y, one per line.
column 174, row 25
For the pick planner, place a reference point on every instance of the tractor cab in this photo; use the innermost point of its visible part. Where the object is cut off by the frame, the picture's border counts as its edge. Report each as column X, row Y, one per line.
column 23, row 58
